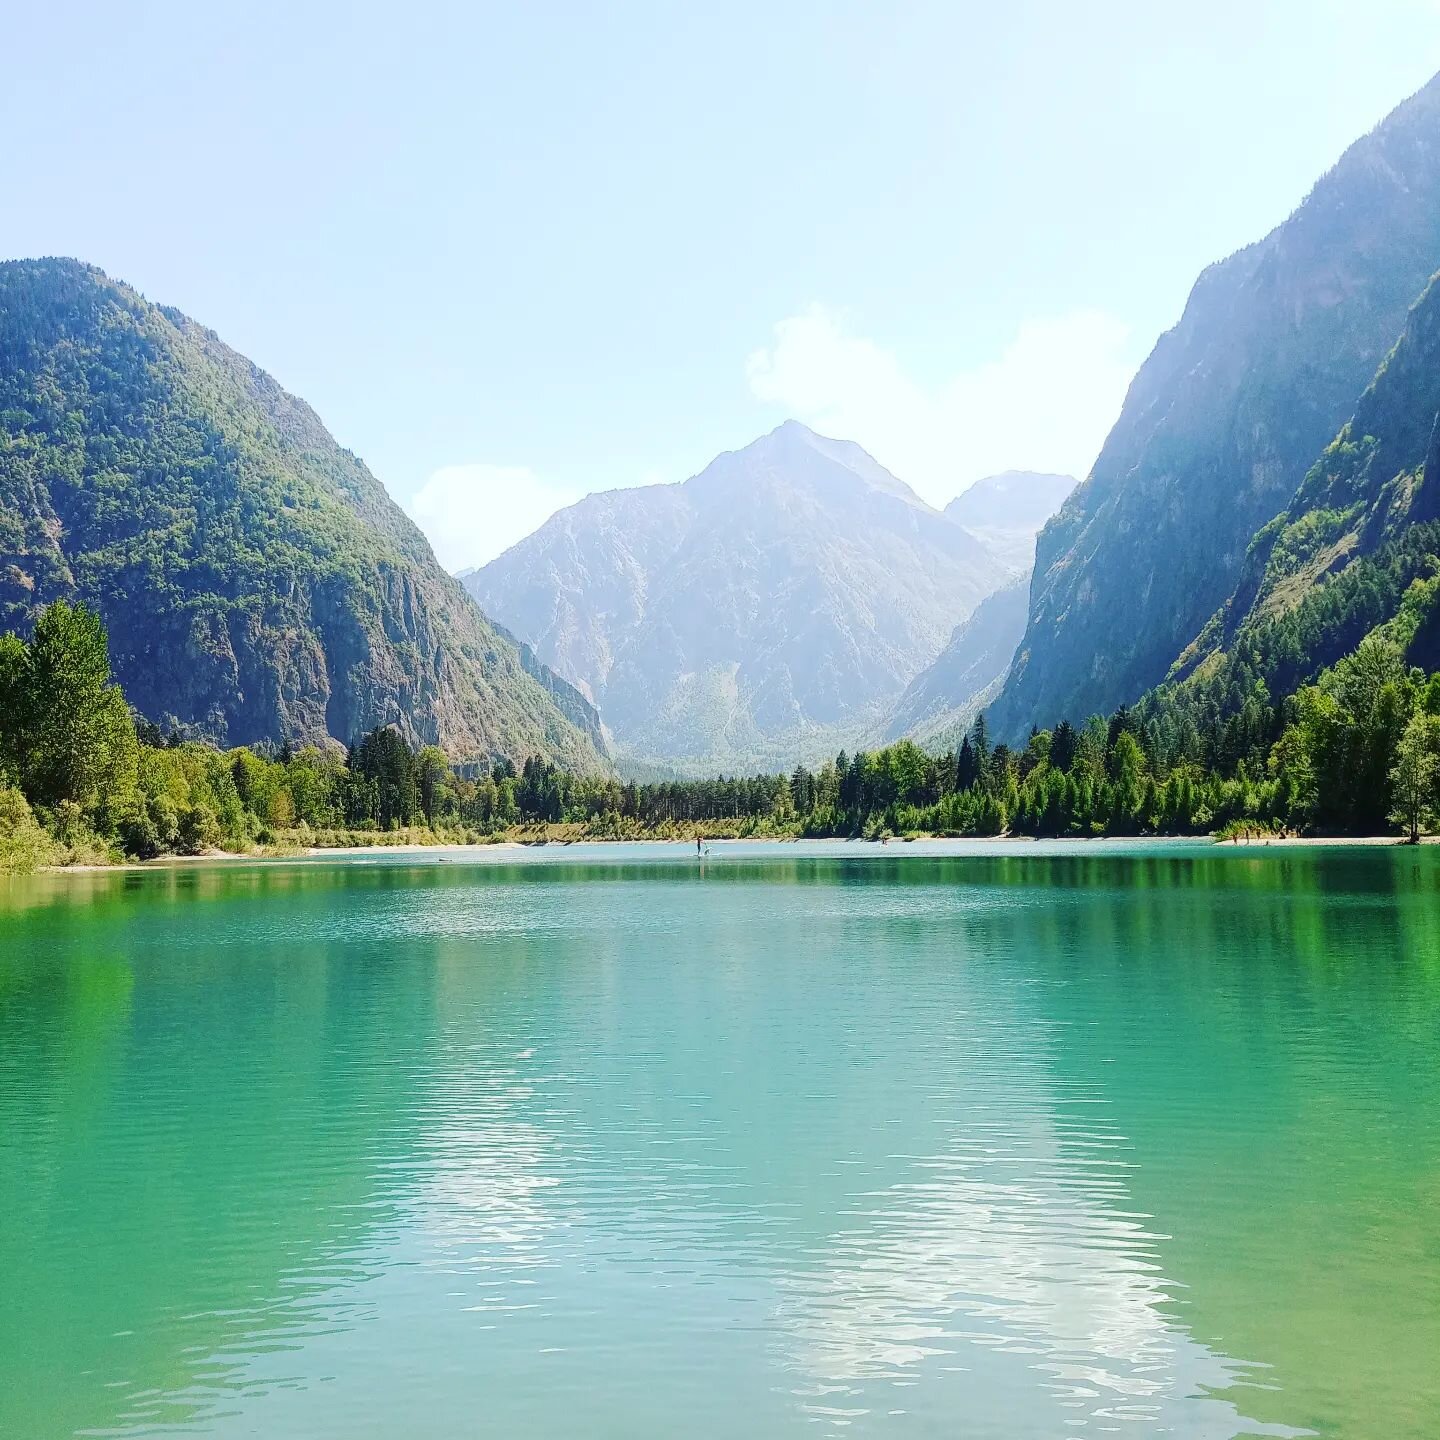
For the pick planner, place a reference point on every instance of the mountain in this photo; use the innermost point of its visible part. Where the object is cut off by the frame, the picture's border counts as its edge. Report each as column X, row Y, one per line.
column 257, row 581
column 968, row 673
column 1355, row 551
column 1221, row 424
column 764, row 609
column 1007, row 511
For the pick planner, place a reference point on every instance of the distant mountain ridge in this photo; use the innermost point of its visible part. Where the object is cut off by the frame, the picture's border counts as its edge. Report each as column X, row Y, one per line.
column 1221, row 424
column 1007, row 511
column 964, row 679
column 257, row 581
column 776, row 601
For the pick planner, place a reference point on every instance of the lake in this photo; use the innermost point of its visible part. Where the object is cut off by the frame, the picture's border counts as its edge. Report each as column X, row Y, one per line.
column 969, row 1139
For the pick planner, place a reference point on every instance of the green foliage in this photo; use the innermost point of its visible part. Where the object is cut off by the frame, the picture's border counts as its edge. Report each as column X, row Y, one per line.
column 68, row 732
column 1413, row 777
column 1360, row 745
column 24, row 845
column 256, row 579
column 385, row 784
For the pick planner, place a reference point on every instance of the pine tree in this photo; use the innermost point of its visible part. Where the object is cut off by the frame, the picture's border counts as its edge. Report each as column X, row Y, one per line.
column 967, row 768
column 980, row 739
column 1063, row 744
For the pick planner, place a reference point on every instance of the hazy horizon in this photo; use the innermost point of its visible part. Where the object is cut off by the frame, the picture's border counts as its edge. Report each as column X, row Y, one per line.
column 468, row 566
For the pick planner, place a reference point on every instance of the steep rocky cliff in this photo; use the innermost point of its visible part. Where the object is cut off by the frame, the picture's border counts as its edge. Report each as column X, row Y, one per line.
column 1222, row 423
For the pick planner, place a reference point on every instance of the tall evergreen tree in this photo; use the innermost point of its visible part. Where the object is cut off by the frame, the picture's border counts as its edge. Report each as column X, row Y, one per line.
column 385, row 762
column 967, row 767
column 1063, row 744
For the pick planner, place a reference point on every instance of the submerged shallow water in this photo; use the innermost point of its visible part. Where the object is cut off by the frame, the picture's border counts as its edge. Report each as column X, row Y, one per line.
column 973, row 1140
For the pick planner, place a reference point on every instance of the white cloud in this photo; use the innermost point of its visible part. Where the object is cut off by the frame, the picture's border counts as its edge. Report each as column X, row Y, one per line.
column 1045, row 403
column 470, row 513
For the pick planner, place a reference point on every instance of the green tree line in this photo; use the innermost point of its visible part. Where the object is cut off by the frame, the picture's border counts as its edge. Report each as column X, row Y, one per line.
column 83, row 778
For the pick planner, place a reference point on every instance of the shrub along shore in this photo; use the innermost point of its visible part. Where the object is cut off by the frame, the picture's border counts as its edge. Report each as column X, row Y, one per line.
column 83, row 780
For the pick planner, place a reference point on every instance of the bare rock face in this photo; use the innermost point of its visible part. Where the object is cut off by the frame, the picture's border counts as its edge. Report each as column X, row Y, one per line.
column 257, row 581
column 779, row 599
column 1221, row 424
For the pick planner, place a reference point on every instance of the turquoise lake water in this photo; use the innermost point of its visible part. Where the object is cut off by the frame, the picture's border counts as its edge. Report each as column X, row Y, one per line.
column 966, row 1140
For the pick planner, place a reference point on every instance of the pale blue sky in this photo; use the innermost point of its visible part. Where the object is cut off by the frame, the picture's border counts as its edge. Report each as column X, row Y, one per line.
column 542, row 249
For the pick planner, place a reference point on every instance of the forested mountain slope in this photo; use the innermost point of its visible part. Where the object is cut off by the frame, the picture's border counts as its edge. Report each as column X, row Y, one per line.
column 1354, row 550
column 1222, row 422
column 767, row 607
column 257, row 581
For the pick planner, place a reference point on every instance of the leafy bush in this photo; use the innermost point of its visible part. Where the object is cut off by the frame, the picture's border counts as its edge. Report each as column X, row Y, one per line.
column 24, row 845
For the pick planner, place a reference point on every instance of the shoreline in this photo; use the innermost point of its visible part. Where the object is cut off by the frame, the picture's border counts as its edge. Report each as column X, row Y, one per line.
column 896, row 843
column 316, row 852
